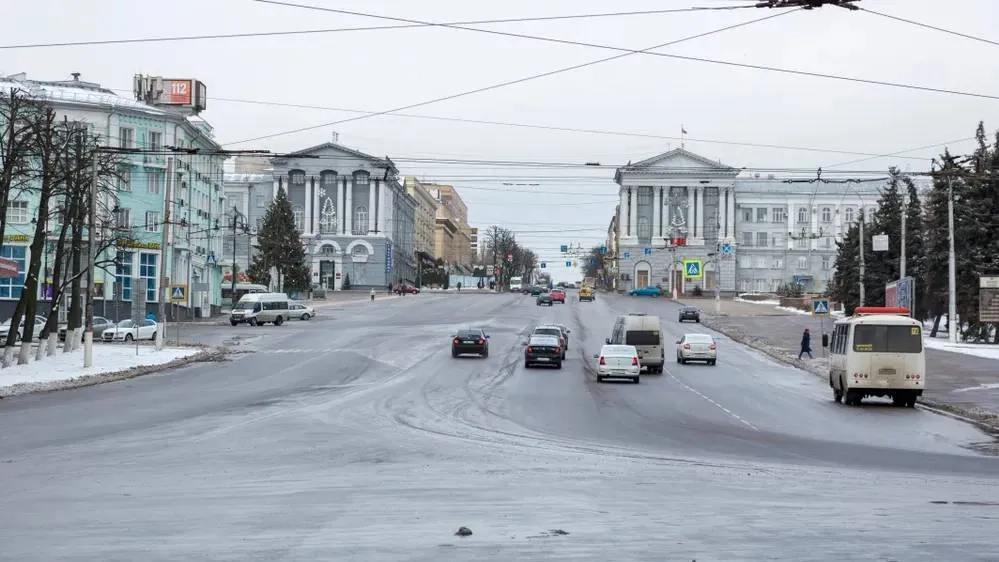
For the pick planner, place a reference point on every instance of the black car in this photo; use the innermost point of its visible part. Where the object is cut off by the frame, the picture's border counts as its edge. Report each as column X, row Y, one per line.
column 470, row 340
column 543, row 350
column 545, row 298
column 690, row 313
column 536, row 290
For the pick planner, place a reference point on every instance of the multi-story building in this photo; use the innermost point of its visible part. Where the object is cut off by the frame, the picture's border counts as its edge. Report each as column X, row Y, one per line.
column 609, row 265
column 473, row 247
column 749, row 233
column 787, row 232
column 674, row 207
column 355, row 217
column 453, row 236
column 247, row 194
column 425, row 220
column 139, row 201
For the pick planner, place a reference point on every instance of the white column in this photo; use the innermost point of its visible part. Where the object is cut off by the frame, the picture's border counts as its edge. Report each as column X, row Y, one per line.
column 657, row 211
column 622, row 210
column 339, row 205
column 690, row 213
column 730, row 213
column 388, row 217
column 792, row 218
column 633, row 213
column 309, row 196
column 700, row 213
column 349, row 215
column 274, row 194
column 372, row 203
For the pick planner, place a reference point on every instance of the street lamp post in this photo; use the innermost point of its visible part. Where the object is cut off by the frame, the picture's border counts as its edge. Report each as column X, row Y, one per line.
column 952, row 323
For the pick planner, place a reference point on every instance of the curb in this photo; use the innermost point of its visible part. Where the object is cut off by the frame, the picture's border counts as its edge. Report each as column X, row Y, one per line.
column 21, row 389
column 985, row 420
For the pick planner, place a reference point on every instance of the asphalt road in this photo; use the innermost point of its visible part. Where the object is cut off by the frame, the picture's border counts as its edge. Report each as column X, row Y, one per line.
column 355, row 436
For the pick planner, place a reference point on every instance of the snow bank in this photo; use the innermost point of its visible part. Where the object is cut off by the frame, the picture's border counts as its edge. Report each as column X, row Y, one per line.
column 793, row 310
column 978, row 350
column 768, row 302
column 65, row 370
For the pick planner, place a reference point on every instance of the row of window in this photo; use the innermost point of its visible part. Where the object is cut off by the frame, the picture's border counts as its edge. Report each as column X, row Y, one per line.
column 327, row 178
column 154, row 142
column 762, row 262
column 778, row 215
column 773, row 240
column 11, row 288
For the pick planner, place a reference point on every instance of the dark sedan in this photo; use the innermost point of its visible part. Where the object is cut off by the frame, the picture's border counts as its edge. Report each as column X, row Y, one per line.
column 690, row 313
column 543, row 350
column 470, row 341
column 536, row 290
column 545, row 298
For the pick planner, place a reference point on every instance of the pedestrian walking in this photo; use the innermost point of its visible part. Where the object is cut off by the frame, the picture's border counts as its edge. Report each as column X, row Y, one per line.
column 806, row 344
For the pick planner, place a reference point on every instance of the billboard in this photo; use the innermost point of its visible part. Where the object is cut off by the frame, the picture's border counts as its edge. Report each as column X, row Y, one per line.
column 901, row 293
column 185, row 93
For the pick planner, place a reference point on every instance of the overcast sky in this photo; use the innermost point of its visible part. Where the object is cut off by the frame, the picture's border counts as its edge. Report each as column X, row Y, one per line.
column 648, row 96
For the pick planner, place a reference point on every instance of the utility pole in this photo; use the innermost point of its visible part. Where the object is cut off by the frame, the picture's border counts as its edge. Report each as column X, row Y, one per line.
column 901, row 262
column 863, row 219
column 164, row 255
column 88, row 336
column 235, row 216
column 952, row 324
column 495, row 249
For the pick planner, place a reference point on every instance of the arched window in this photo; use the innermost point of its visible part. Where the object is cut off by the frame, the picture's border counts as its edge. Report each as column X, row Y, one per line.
column 360, row 225
column 359, row 251
column 328, row 250
column 299, row 217
column 826, row 214
column 361, row 177
column 848, row 215
column 802, row 215
column 296, row 177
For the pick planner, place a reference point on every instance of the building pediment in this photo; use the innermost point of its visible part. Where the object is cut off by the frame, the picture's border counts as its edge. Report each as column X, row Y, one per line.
column 332, row 152
column 679, row 162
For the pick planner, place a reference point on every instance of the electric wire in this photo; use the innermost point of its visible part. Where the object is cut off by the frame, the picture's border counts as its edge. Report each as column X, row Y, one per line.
column 932, row 27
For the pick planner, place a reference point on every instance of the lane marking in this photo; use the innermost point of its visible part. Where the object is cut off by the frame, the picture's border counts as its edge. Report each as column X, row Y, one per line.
column 716, row 404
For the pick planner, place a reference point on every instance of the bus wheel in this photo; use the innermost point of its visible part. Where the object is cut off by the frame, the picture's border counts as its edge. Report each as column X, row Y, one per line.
column 910, row 401
column 837, row 393
column 899, row 400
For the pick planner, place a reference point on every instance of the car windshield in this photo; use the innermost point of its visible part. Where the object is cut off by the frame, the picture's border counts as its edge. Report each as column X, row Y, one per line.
column 245, row 305
column 641, row 337
column 548, row 332
column 126, row 324
column 544, row 341
column 698, row 338
column 689, row 309
column 618, row 350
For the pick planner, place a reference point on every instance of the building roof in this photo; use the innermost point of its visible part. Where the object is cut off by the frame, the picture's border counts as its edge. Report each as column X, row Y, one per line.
column 334, row 146
column 677, row 162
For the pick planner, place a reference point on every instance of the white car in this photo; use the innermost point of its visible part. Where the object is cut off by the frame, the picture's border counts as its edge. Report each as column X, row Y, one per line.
column 127, row 331
column 697, row 347
column 5, row 328
column 618, row 362
column 301, row 311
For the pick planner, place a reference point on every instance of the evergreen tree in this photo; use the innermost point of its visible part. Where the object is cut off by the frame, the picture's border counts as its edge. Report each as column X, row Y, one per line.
column 845, row 284
column 346, row 282
column 279, row 245
column 915, row 250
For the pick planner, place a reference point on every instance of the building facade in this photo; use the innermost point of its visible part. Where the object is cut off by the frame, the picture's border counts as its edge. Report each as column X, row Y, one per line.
column 674, row 207
column 138, row 203
column 453, row 237
column 248, row 195
column 356, row 219
column 425, row 217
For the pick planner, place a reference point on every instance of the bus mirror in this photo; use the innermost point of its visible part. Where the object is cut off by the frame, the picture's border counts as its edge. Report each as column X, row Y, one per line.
column 607, row 341
column 825, row 340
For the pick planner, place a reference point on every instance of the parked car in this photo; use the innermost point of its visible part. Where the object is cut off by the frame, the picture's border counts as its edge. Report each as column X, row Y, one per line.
column 690, row 313
column 646, row 292
column 406, row 289
column 557, row 295
column 301, row 310
column 129, row 330
column 100, row 324
column 618, row 362
column 36, row 331
column 543, row 349
column 697, row 347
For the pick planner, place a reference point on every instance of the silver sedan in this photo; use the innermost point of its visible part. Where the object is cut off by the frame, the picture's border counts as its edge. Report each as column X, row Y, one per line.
column 697, row 347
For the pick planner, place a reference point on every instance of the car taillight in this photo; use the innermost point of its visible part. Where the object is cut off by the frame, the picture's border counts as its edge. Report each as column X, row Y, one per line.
column 558, row 349
column 456, row 341
column 482, row 341
column 634, row 360
column 713, row 346
column 602, row 362
column 686, row 346
column 529, row 349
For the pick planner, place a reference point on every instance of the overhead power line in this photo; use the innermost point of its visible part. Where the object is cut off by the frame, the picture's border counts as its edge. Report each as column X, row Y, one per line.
column 351, row 29
column 932, row 27
column 894, row 154
column 504, row 84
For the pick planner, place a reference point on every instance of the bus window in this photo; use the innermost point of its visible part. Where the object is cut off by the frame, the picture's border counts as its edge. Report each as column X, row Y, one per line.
column 870, row 338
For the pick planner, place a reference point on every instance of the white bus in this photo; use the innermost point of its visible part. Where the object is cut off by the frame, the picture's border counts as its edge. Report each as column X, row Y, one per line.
column 877, row 352
column 516, row 284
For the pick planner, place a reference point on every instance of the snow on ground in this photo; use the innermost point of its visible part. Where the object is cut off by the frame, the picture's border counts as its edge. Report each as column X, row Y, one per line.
column 977, row 349
column 771, row 303
column 65, row 367
column 793, row 310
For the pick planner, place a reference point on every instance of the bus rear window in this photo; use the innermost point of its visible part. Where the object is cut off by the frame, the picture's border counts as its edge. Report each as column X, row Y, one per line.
column 887, row 339
column 641, row 337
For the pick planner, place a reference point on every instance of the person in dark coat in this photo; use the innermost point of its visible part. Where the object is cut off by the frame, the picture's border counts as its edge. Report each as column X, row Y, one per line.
column 806, row 344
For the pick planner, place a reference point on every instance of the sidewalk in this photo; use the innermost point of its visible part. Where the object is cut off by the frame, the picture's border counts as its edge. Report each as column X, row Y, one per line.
column 960, row 383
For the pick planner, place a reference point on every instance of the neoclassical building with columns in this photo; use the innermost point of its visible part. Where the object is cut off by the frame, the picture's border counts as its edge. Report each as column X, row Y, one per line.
column 355, row 216
column 676, row 206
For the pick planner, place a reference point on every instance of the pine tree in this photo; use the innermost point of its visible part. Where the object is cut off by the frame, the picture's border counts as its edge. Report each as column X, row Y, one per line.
column 279, row 245
column 845, row 284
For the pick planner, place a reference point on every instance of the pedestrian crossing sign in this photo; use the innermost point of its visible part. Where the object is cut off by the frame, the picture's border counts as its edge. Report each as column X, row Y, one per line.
column 178, row 294
column 820, row 307
column 692, row 269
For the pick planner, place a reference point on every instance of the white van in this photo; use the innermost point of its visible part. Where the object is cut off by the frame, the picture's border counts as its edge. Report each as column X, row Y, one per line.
column 877, row 352
column 257, row 309
column 645, row 333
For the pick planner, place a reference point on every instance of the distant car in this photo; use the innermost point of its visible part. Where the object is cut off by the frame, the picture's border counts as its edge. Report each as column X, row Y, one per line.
column 618, row 362
column 473, row 341
column 36, row 330
column 690, row 313
column 696, row 347
column 586, row 294
column 100, row 324
column 301, row 310
column 543, row 349
column 557, row 295
column 127, row 331
column 406, row 289
column 555, row 331
column 544, row 298
column 536, row 290
column 646, row 292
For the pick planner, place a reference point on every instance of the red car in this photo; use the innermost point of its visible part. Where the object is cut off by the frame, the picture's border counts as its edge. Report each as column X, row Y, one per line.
column 558, row 295
column 408, row 289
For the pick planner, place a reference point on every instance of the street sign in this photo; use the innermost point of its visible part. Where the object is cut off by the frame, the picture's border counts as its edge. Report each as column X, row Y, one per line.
column 542, row 265
column 648, row 251
column 563, row 248
column 880, row 243
column 568, row 264
column 726, row 248
column 820, row 307
column 178, row 294
column 603, row 249
column 692, row 269
column 627, row 255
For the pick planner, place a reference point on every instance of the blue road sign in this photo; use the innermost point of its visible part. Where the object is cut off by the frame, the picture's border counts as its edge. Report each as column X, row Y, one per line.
column 603, row 249
column 648, row 251
column 542, row 265
column 726, row 248
column 568, row 264
column 593, row 261
column 627, row 255
column 820, row 307
column 692, row 269
column 563, row 248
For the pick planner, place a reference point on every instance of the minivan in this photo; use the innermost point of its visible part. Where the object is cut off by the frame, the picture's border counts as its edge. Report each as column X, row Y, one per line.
column 256, row 309
column 644, row 332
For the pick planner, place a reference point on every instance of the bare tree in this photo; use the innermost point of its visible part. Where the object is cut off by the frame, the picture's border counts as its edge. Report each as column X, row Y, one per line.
column 16, row 139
